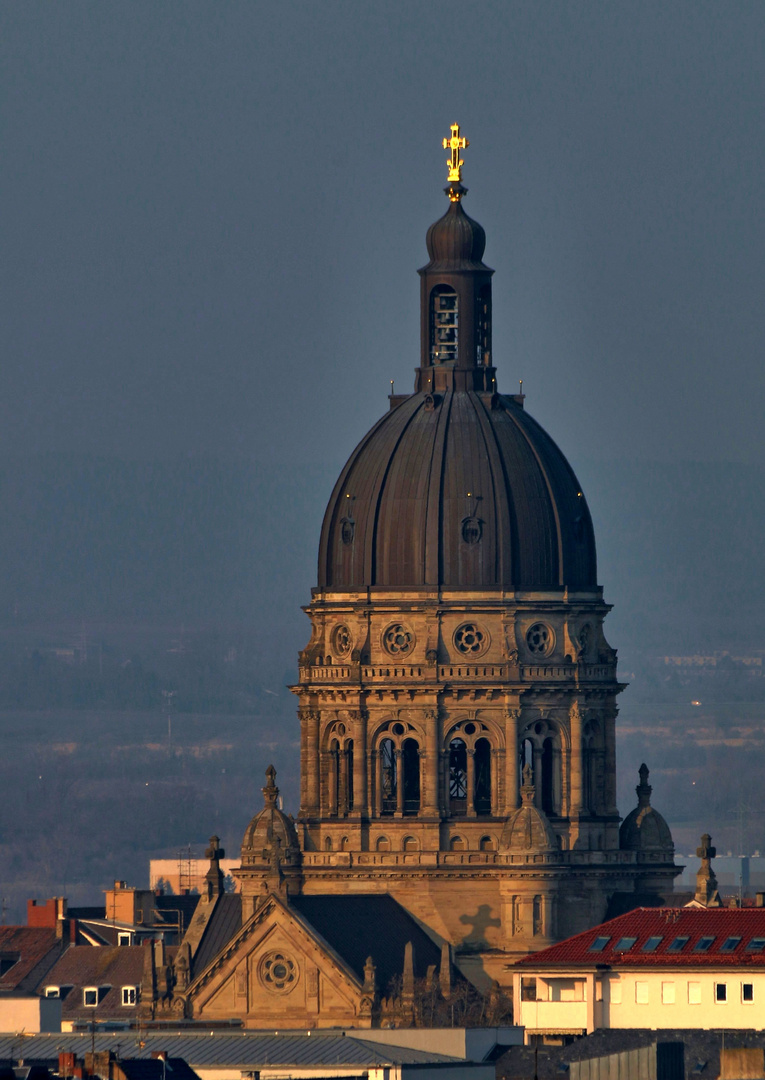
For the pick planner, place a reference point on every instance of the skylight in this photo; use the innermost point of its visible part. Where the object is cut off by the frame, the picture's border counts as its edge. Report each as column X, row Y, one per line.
column 730, row 944
column 624, row 944
column 653, row 943
column 704, row 944
column 678, row 944
column 757, row 944
column 599, row 944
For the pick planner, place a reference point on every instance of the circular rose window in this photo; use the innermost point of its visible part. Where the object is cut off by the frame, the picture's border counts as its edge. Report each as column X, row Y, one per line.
column 397, row 640
column 539, row 639
column 342, row 639
column 278, row 972
column 471, row 639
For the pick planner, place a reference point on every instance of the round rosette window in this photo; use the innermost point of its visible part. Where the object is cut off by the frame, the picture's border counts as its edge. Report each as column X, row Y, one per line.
column 471, row 639
column 540, row 639
column 278, row 972
column 342, row 639
column 398, row 640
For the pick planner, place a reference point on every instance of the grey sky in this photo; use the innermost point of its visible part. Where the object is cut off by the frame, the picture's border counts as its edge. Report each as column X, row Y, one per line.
column 213, row 214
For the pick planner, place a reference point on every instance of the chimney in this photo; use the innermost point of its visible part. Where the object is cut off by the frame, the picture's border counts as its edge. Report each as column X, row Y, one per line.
column 759, row 899
column 66, row 1064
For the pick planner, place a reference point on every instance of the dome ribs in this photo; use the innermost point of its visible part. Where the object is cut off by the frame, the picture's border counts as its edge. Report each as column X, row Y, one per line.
column 431, row 541
column 504, row 508
column 403, row 504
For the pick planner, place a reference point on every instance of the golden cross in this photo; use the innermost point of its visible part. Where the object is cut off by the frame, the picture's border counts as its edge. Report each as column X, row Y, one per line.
column 455, row 144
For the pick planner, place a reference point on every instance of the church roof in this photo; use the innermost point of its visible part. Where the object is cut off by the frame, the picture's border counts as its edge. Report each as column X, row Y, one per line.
column 665, row 937
column 224, row 922
column 371, row 924
column 464, row 491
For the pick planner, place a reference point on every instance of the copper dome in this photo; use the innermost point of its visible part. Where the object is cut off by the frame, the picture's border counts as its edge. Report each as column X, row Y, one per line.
column 463, row 490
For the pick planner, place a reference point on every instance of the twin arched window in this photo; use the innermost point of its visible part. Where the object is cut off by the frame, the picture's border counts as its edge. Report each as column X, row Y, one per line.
column 460, row 781
column 399, row 777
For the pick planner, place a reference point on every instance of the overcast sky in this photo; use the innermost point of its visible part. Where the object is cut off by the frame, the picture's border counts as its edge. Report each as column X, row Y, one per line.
column 213, row 214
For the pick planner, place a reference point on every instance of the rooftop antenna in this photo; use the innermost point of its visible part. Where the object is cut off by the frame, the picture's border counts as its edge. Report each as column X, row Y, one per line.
column 391, row 387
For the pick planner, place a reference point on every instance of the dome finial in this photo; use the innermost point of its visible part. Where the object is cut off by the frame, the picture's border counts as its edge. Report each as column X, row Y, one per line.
column 455, row 143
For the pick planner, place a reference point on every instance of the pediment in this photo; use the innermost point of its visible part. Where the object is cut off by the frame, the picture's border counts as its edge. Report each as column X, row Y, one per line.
column 276, row 968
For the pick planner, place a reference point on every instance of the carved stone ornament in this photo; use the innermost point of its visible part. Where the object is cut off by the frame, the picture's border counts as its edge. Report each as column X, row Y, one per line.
column 472, row 530
column 278, row 972
column 398, row 640
column 347, row 530
column 540, row 639
column 471, row 639
column 342, row 640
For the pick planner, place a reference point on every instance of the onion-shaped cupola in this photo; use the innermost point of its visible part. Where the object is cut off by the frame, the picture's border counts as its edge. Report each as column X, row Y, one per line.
column 644, row 829
column 457, row 486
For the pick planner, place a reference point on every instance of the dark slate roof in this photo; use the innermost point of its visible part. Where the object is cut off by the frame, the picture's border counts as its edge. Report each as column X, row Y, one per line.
column 373, row 924
column 37, row 949
column 405, row 488
column 241, row 1050
column 225, row 921
column 175, row 1068
column 742, row 929
column 107, row 967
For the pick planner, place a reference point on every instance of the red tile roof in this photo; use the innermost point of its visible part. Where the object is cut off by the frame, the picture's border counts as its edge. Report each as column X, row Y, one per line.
column 33, row 948
column 667, row 924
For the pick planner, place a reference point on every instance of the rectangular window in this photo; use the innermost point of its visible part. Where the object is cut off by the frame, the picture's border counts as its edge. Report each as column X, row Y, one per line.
column 757, row 944
column 129, row 995
column 747, row 992
column 652, row 944
column 704, row 944
column 124, row 939
column 90, row 996
column 678, row 944
column 599, row 944
column 730, row 944
column 694, row 993
column 721, row 991
column 624, row 944
column 53, row 991
column 668, row 993
column 616, row 993
column 641, row 993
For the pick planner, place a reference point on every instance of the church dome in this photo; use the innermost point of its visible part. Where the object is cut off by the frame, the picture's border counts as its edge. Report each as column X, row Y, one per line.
column 462, row 489
column 528, row 828
column 271, row 834
column 644, row 829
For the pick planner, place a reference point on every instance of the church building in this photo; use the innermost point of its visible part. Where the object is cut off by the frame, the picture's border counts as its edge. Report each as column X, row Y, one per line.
column 457, row 704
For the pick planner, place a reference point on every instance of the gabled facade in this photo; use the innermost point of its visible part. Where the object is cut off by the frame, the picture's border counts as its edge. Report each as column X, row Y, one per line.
column 673, row 968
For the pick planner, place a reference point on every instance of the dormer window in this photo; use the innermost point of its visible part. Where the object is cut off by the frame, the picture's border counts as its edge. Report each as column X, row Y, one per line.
column 444, row 324
column 7, row 961
column 52, row 991
column 90, row 996
column 124, row 938
column 129, row 995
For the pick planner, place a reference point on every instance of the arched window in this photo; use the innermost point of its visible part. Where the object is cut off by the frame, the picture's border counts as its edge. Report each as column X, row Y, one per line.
column 345, row 844
column 383, row 843
column 410, row 762
column 388, row 777
column 487, row 843
column 482, row 776
column 444, row 324
column 458, row 776
column 411, row 844
column 457, row 844
column 483, row 327
column 327, row 843
column 548, row 776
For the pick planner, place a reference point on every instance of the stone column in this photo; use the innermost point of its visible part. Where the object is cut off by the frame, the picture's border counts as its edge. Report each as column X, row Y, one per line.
column 430, row 770
column 399, row 783
column 470, row 783
column 575, row 759
column 377, row 773
column 609, row 726
column 312, row 760
column 511, row 761
column 494, row 758
column 536, row 754
column 333, row 781
column 443, row 772
column 360, row 764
